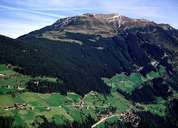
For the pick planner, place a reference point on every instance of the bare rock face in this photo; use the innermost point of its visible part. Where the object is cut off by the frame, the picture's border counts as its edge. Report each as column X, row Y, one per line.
column 118, row 21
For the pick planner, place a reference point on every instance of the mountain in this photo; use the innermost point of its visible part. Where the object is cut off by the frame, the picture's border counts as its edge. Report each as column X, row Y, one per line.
column 92, row 70
column 82, row 49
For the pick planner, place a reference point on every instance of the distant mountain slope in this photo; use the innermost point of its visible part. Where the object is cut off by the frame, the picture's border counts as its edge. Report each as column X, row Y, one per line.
column 82, row 49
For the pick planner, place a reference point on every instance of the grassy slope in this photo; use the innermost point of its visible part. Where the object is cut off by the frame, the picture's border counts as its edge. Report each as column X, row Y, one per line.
column 11, row 80
column 129, row 83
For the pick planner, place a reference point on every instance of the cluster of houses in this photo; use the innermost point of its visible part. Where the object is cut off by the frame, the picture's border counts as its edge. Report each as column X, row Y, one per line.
column 130, row 117
column 19, row 106
column 2, row 76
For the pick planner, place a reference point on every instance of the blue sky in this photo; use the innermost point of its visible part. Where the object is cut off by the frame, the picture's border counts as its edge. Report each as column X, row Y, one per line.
column 18, row 17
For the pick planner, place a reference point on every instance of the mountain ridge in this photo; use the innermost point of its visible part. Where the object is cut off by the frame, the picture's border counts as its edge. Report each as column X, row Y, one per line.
column 110, row 22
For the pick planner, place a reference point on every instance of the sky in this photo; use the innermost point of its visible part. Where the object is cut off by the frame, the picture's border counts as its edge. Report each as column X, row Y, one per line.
column 18, row 17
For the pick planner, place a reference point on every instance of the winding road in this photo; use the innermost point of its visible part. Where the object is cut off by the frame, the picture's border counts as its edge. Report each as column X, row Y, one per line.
column 103, row 120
